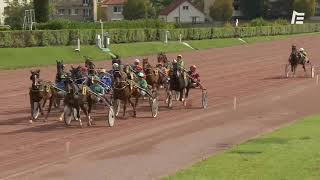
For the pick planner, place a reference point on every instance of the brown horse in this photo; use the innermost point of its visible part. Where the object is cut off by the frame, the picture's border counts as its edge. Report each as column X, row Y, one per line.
column 152, row 74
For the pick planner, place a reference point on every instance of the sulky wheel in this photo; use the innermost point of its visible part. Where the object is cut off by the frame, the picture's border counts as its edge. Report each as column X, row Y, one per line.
column 204, row 99
column 154, row 108
column 111, row 116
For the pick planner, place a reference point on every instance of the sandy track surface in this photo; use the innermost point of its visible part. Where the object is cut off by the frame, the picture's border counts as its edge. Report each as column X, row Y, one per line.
column 147, row 148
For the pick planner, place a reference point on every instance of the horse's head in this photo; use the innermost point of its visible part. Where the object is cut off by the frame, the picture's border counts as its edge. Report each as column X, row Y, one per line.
column 76, row 74
column 35, row 75
column 119, row 79
column 70, row 87
column 60, row 67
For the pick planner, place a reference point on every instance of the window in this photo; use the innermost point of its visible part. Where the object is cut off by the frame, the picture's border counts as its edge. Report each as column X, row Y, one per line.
column 69, row 12
column 194, row 20
column 76, row 11
column 86, row 1
column 236, row 5
column 117, row 9
column 176, row 19
column 86, row 12
column 5, row 10
column 61, row 11
column 185, row 7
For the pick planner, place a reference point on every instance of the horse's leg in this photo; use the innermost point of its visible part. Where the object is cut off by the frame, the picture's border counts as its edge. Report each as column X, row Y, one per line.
column 137, row 101
column 90, row 102
column 40, row 108
column 133, row 106
column 84, row 109
column 44, row 102
column 125, row 107
column 49, row 108
column 32, row 107
column 78, row 115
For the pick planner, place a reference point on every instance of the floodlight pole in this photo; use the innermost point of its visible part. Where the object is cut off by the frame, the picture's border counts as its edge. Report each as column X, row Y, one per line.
column 101, row 24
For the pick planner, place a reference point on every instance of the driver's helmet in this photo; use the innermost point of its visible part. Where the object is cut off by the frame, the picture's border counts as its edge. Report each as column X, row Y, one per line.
column 193, row 68
column 140, row 74
column 174, row 61
column 301, row 49
column 136, row 61
column 115, row 66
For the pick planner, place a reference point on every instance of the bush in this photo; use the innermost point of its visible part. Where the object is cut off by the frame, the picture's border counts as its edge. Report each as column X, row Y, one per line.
column 125, row 24
column 281, row 22
column 5, row 28
column 88, row 36
column 259, row 22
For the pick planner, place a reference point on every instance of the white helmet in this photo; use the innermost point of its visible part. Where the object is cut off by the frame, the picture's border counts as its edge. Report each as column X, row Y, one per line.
column 174, row 61
column 137, row 61
column 301, row 49
column 140, row 74
column 115, row 66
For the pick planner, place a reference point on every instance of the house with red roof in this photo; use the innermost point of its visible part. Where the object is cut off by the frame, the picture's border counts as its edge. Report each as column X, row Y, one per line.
column 182, row 11
column 112, row 9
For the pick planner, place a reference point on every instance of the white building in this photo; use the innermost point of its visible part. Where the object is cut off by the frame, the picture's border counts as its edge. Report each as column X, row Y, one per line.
column 182, row 11
column 3, row 6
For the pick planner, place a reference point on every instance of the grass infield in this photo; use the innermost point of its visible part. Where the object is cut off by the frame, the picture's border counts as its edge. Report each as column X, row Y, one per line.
column 291, row 153
column 13, row 58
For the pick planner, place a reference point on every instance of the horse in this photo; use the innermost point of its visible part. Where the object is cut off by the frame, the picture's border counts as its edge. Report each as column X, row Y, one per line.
column 152, row 74
column 295, row 59
column 37, row 93
column 177, row 83
column 75, row 99
column 162, row 59
column 123, row 90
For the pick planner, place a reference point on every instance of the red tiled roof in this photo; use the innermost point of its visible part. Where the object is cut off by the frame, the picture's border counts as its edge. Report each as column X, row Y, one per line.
column 113, row 2
column 174, row 5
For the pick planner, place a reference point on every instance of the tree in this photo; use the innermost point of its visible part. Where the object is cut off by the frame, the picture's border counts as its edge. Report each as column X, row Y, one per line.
column 221, row 10
column 42, row 10
column 137, row 9
column 306, row 6
column 279, row 9
column 14, row 14
column 252, row 8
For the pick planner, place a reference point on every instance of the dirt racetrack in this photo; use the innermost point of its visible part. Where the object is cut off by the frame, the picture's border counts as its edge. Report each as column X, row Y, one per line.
column 146, row 148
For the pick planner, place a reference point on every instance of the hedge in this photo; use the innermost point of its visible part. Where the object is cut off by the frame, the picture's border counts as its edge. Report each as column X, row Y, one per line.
column 88, row 36
column 59, row 24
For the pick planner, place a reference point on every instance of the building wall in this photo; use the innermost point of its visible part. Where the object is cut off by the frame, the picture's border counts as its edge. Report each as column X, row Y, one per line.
column 75, row 10
column 185, row 15
column 111, row 15
column 4, row 4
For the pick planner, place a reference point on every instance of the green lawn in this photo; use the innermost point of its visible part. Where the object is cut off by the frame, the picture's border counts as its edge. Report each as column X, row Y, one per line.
column 291, row 153
column 11, row 58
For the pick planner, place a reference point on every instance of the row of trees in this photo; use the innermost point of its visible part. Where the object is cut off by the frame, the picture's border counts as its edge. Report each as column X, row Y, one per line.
column 223, row 9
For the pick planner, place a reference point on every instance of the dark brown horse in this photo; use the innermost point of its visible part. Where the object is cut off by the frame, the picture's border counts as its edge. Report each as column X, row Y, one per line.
column 37, row 93
column 295, row 59
column 76, row 98
column 123, row 90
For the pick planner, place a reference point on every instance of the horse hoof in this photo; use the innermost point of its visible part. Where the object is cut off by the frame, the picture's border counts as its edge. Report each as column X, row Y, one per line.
column 60, row 120
column 30, row 121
